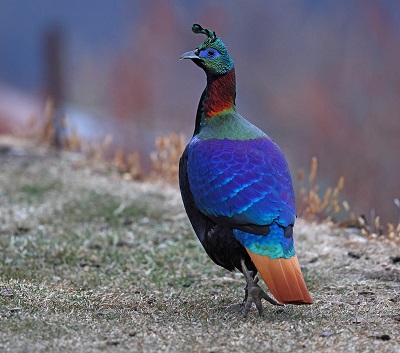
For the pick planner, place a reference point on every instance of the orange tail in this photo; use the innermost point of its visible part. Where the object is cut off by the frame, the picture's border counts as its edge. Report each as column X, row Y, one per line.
column 283, row 278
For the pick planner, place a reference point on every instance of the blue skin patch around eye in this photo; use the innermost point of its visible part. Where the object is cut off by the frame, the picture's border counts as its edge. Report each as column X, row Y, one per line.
column 209, row 54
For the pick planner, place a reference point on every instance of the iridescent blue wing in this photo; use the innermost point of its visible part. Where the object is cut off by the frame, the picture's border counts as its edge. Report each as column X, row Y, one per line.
column 241, row 184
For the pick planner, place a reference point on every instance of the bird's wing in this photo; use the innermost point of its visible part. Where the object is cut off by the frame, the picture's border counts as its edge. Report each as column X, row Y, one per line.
column 200, row 223
column 218, row 241
column 241, row 184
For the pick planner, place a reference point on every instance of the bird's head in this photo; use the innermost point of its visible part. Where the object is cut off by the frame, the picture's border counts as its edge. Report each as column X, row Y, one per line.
column 211, row 55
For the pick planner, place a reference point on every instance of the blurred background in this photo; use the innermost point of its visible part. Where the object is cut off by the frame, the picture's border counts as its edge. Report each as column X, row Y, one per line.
column 322, row 78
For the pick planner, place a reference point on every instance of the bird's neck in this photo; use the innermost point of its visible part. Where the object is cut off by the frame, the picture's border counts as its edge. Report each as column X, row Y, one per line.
column 220, row 94
column 218, row 97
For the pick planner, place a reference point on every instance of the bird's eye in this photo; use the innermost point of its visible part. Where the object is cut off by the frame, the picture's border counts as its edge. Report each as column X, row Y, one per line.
column 209, row 53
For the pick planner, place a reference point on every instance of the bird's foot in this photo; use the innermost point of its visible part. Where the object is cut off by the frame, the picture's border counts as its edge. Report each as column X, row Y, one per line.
column 254, row 293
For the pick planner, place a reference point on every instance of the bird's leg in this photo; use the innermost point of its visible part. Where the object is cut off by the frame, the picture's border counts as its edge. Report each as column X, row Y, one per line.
column 254, row 293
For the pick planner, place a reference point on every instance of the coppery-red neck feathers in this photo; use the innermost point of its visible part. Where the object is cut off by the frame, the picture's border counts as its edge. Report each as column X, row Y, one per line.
column 220, row 94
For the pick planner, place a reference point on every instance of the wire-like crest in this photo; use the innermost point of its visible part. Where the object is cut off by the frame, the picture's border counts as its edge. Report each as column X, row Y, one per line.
column 196, row 28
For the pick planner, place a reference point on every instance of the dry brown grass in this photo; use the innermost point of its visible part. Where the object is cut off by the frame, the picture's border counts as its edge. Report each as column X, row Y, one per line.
column 312, row 203
column 165, row 160
column 102, row 152
column 47, row 132
column 128, row 164
column 96, row 152
column 316, row 205
column 375, row 229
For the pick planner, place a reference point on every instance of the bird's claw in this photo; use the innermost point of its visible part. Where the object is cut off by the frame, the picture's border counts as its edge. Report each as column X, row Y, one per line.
column 254, row 293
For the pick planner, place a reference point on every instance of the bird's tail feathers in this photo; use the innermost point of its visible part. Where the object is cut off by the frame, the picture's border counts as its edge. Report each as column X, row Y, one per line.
column 283, row 278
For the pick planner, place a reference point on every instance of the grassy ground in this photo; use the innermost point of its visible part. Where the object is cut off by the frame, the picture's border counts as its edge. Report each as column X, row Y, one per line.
column 92, row 263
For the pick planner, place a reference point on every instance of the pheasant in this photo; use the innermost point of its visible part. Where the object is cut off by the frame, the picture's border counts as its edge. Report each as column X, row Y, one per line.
column 236, row 188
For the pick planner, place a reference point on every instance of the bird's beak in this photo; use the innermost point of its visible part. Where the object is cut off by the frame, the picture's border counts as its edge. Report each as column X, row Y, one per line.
column 190, row 55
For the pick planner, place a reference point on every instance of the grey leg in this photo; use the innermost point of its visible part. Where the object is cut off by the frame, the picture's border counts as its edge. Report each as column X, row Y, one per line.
column 254, row 293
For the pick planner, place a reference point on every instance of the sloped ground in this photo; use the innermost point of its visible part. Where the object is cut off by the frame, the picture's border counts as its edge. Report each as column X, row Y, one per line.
column 92, row 263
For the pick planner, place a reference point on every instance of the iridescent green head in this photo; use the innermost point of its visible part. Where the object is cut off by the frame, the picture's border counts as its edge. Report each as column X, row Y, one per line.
column 211, row 55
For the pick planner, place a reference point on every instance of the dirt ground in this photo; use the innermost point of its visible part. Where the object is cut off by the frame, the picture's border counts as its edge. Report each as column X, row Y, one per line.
column 90, row 262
